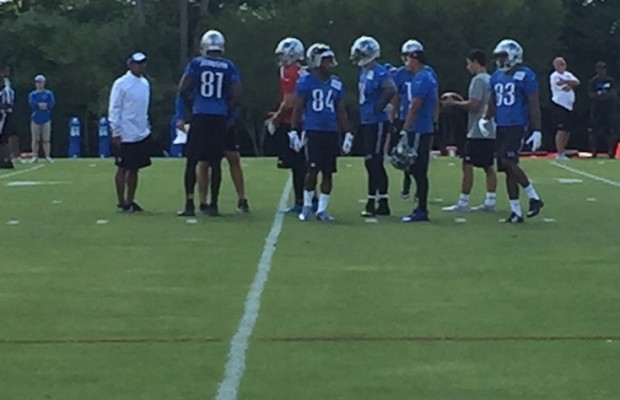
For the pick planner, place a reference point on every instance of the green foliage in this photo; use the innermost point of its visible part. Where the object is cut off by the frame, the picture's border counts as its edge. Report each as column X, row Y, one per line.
column 81, row 45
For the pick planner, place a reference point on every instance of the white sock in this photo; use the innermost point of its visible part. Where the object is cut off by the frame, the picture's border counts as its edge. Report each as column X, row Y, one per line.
column 372, row 198
column 490, row 200
column 531, row 192
column 308, row 196
column 383, row 197
column 323, row 202
column 463, row 199
column 515, row 207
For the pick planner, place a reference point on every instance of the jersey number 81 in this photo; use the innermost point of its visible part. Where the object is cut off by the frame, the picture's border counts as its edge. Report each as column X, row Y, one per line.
column 211, row 84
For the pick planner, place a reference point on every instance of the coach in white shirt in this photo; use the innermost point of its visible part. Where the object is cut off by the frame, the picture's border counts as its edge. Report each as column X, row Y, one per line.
column 131, row 130
column 563, row 85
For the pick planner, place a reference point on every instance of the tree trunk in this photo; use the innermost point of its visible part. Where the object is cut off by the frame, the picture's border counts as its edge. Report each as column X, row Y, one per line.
column 201, row 26
column 140, row 13
column 183, row 32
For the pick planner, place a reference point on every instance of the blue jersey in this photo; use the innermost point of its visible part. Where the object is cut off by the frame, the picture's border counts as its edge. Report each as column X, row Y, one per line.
column 430, row 69
column 424, row 87
column 320, row 102
column 511, row 91
column 211, row 82
column 370, row 91
column 403, row 79
column 35, row 97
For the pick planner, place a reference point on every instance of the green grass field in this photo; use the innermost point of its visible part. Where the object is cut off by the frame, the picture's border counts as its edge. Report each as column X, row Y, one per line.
column 145, row 306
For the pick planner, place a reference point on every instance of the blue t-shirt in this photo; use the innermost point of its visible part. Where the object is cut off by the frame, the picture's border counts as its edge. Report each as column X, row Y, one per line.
column 211, row 84
column 424, row 87
column 320, row 102
column 511, row 90
column 370, row 90
column 403, row 79
column 41, row 96
column 430, row 69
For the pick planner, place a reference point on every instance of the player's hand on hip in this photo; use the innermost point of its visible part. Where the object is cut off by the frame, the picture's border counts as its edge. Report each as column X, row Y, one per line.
column 535, row 140
column 347, row 145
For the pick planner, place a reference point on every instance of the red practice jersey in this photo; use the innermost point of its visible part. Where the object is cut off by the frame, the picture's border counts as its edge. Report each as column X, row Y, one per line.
column 288, row 80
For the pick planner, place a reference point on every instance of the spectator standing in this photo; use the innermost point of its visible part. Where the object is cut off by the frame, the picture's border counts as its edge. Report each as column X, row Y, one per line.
column 42, row 102
column 562, row 84
column 602, row 90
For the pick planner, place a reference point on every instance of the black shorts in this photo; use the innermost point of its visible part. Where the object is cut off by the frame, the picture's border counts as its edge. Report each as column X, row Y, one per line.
column 601, row 120
column 508, row 144
column 479, row 152
column 134, row 156
column 232, row 139
column 322, row 149
column 206, row 138
column 373, row 137
column 287, row 158
column 562, row 118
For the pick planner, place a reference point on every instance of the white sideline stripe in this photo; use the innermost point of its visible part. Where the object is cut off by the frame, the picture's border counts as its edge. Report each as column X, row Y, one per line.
column 235, row 364
column 586, row 174
column 22, row 171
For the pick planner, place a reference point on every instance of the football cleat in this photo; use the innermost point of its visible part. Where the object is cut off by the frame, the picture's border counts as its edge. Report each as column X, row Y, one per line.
column 204, row 208
column 416, row 216
column 535, row 207
column 456, row 208
column 243, row 206
column 305, row 214
column 296, row 209
column 324, row 216
column 187, row 212
column 134, row 207
column 121, row 208
column 213, row 210
column 383, row 209
column 484, row 207
column 369, row 211
column 514, row 219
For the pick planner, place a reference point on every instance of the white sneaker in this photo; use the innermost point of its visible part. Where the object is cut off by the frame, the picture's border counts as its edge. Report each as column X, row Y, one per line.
column 456, row 208
column 34, row 160
column 562, row 157
column 484, row 207
column 49, row 160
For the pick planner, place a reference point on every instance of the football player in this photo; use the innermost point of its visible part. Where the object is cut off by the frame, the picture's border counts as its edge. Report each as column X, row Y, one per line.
column 376, row 89
column 480, row 146
column 290, row 54
column 515, row 105
column 419, row 124
column 319, row 99
column 211, row 87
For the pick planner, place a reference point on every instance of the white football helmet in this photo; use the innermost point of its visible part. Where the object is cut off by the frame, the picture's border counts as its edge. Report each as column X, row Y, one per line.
column 509, row 53
column 289, row 50
column 365, row 50
column 411, row 46
column 317, row 52
column 212, row 41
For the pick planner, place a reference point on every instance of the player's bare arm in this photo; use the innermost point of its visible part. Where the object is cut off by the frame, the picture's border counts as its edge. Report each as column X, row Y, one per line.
column 184, row 91
column 534, row 107
column 298, row 106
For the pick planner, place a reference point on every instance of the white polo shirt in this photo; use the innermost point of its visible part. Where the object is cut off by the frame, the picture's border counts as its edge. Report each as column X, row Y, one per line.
column 128, row 112
column 563, row 98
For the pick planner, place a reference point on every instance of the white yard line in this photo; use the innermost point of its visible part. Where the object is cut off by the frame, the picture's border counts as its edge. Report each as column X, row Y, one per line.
column 21, row 171
column 235, row 365
column 586, row 174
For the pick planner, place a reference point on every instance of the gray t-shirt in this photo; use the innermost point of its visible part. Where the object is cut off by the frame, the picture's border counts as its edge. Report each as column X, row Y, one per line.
column 479, row 90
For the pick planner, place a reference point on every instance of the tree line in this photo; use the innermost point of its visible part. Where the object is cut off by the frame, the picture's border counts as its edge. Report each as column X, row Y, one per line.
column 81, row 46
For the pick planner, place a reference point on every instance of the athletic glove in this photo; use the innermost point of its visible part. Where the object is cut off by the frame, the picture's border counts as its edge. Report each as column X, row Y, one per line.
column 347, row 145
column 485, row 126
column 293, row 141
column 535, row 140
